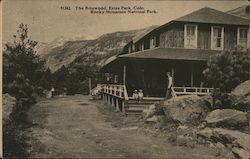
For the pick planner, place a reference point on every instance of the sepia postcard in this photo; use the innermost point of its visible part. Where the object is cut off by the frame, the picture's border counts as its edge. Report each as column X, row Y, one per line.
column 125, row 79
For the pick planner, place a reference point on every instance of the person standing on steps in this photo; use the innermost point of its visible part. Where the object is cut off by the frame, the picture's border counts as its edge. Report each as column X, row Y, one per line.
column 169, row 85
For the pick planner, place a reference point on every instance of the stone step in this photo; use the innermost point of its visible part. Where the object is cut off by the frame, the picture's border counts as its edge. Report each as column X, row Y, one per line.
column 134, row 110
column 141, row 102
column 133, row 113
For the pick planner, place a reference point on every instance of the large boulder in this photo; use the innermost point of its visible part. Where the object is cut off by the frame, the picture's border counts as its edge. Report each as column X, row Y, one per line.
column 240, row 96
column 155, row 119
column 8, row 104
column 237, row 142
column 153, row 109
column 228, row 118
column 149, row 112
column 208, row 99
column 242, row 89
column 188, row 109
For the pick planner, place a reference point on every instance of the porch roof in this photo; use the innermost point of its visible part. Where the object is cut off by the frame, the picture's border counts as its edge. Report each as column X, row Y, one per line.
column 173, row 54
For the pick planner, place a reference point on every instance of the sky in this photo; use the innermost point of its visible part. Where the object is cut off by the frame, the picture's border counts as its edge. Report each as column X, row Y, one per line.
column 47, row 21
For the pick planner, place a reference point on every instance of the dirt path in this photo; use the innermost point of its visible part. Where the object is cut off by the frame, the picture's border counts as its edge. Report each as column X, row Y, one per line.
column 73, row 127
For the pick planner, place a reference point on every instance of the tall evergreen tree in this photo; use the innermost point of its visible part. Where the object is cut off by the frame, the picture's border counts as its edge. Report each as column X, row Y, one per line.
column 21, row 65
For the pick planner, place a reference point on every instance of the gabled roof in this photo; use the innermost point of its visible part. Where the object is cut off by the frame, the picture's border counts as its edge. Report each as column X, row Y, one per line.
column 209, row 15
column 242, row 11
column 238, row 9
column 145, row 32
column 173, row 54
column 203, row 15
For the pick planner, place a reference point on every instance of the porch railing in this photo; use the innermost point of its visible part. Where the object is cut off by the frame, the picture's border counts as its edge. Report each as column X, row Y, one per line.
column 118, row 91
column 192, row 90
column 97, row 89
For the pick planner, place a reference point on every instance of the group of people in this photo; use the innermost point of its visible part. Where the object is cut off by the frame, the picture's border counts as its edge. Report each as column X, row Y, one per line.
column 138, row 95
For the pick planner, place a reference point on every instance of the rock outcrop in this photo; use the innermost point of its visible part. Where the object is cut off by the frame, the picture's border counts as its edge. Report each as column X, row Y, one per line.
column 188, row 109
column 147, row 113
column 240, row 96
column 237, row 142
column 227, row 118
column 242, row 89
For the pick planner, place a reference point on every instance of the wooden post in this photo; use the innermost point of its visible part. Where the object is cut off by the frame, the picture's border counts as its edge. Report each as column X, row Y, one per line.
column 117, row 104
column 123, row 107
column 124, row 74
column 112, row 101
column 108, row 99
column 90, row 87
column 192, row 75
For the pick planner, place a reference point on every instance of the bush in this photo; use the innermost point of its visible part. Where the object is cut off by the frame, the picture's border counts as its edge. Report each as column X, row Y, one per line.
column 225, row 72
column 14, row 144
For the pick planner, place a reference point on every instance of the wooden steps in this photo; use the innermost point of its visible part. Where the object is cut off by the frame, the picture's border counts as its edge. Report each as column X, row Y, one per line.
column 135, row 108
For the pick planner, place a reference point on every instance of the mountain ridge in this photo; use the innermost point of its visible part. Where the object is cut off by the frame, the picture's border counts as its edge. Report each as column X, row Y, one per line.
column 62, row 52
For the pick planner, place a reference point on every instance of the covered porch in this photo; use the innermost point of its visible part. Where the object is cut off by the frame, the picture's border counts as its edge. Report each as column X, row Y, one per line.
column 147, row 70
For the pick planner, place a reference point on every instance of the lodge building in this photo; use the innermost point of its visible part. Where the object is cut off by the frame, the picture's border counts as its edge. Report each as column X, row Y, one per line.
column 182, row 46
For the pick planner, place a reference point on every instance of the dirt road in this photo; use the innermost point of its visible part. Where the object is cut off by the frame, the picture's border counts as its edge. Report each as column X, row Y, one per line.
column 73, row 127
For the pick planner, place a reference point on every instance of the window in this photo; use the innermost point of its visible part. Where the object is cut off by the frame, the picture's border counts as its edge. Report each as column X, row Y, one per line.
column 141, row 46
column 217, row 37
column 107, row 77
column 116, row 79
column 129, row 49
column 190, row 32
column 242, row 37
column 153, row 42
column 133, row 47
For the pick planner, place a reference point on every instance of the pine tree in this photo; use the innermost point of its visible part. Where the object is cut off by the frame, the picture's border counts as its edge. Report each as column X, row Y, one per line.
column 21, row 65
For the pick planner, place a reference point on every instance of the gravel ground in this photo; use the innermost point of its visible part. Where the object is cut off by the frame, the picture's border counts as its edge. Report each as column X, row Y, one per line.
column 78, row 127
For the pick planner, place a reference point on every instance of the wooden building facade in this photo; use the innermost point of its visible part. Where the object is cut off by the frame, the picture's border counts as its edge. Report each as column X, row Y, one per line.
column 181, row 46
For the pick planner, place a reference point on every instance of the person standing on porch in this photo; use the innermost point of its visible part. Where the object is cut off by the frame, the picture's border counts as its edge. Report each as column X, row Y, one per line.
column 169, row 85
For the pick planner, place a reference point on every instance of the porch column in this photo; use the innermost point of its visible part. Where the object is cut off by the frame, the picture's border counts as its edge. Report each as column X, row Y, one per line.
column 172, row 74
column 117, row 104
column 90, row 87
column 192, row 75
column 124, row 74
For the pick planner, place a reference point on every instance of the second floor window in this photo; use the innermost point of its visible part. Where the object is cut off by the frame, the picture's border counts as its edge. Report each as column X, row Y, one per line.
column 153, row 42
column 141, row 46
column 217, row 37
column 190, row 32
column 129, row 49
column 242, row 37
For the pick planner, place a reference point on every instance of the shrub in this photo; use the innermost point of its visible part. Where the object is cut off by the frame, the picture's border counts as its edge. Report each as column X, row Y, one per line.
column 225, row 72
